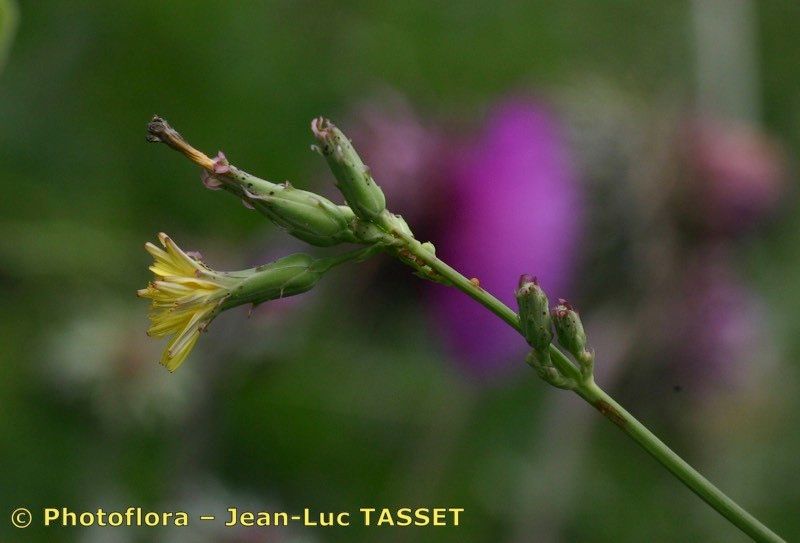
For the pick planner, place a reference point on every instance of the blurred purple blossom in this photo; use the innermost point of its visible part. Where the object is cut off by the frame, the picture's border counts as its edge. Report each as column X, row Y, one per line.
column 738, row 174
column 717, row 324
column 514, row 207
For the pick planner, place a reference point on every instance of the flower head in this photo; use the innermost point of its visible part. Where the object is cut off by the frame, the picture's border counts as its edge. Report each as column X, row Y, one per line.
column 186, row 296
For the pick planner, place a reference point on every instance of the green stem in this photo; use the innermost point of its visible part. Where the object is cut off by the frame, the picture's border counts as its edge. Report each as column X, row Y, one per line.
column 483, row 297
column 698, row 484
column 604, row 403
column 356, row 255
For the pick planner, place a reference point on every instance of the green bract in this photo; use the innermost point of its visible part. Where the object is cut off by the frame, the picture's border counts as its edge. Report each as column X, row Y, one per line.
column 545, row 369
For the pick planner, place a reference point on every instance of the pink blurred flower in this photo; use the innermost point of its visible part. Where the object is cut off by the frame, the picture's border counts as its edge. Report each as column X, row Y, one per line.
column 514, row 207
column 738, row 174
column 717, row 325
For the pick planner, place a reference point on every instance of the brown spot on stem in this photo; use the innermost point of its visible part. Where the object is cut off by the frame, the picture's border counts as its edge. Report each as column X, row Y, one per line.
column 610, row 412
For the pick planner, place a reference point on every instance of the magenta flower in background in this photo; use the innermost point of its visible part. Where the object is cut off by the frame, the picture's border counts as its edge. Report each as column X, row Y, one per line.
column 717, row 325
column 514, row 207
column 739, row 174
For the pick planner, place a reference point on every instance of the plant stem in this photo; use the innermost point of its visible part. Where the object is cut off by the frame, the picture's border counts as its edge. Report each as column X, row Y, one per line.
column 604, row 403
column 483, row 297
column 356, row 255
column 698, row 484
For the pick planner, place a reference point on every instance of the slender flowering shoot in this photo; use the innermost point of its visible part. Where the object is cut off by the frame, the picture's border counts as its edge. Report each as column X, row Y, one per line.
column 186, row 295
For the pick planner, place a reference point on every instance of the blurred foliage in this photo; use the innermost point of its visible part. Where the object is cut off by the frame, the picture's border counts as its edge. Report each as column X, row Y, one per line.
column 341, row 406
column 8, row 25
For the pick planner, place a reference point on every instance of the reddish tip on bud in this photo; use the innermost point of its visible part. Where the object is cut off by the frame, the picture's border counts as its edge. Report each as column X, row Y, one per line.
column 525, row 279
column 320, row 127
column 563, row 308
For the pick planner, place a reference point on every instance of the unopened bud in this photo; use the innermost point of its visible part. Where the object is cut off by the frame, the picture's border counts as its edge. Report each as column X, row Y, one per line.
column 534, row 314
column 363, row 195
column 287, row 276
column 305, row 215
column 571, row 335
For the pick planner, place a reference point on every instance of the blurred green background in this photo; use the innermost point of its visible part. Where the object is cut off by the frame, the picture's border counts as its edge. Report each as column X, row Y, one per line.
column 348, row 396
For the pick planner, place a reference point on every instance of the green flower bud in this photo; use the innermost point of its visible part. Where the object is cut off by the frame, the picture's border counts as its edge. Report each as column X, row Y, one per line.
column 534, row 314
column 571, row 335
column 305, row 215
column 287, row 276
column 363, row 195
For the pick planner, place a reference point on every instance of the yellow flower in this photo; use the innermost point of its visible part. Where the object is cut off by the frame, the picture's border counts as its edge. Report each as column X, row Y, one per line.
column 186, row 296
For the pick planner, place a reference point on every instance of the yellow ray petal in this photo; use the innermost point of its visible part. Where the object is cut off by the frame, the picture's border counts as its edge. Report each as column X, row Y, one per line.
column 173, row 359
